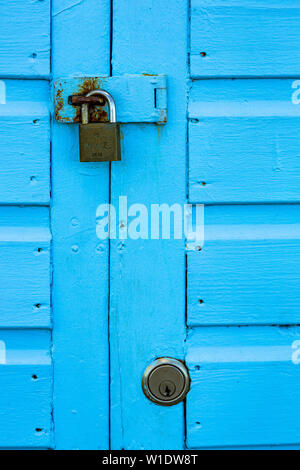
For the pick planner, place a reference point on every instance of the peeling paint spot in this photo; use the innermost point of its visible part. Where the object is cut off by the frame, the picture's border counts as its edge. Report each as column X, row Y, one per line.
column 89, row 84
column 96, row 113
column 59, row 105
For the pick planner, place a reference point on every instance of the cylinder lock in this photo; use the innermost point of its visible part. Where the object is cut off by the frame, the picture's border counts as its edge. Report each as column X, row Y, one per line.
column 166, row 381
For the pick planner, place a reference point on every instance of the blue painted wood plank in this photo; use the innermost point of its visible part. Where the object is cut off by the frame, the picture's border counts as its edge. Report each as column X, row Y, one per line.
column 25, row 38
column 26, row 389
column 249, row 38
column 247, row 271
column 147, row 313
column 81, row 33
column 25, row 143
column 25, row 274
column 243, row 142
column 244, row 388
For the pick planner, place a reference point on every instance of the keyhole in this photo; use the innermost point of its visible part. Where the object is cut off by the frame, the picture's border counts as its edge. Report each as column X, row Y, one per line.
column 167, row 388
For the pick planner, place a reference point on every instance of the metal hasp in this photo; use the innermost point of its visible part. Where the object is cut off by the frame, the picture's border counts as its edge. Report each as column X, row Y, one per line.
column 99, row 142
column 166, row 381
column 139, row 98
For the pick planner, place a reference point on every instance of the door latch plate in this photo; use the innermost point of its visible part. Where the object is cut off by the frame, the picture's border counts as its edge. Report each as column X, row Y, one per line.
column 138, row 98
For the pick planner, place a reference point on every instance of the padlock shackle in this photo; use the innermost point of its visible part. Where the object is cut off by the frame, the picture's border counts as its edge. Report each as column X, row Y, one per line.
column 111, row 105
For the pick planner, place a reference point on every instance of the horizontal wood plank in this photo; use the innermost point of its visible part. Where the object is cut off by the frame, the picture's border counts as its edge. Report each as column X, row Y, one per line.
column 26, row 389
column 25, row 38
column 249, row 38
column 248, row 269
column 24, row 267
column 245, row 387
column 244, row 142
column 25, row 143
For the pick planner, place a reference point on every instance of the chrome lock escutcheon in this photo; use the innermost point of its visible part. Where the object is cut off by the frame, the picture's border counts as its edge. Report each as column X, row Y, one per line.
column 166, row 381
column 99, row 142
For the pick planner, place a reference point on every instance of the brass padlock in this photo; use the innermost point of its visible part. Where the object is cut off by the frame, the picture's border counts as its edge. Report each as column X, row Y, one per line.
column 99, row 142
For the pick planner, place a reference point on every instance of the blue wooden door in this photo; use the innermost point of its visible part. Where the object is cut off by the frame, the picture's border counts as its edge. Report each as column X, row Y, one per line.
column 82, row 317
column 228, row 305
